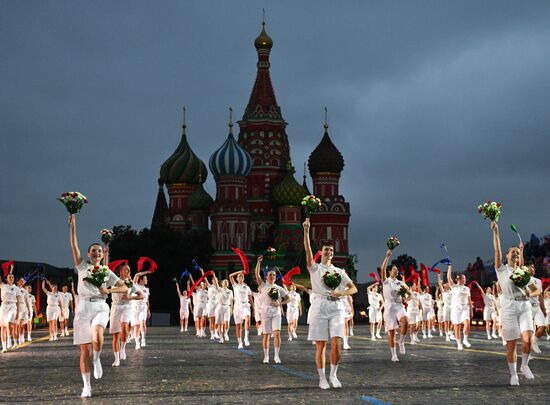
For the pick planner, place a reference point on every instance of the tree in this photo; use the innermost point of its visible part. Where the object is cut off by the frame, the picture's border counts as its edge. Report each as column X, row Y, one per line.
column 405, row 261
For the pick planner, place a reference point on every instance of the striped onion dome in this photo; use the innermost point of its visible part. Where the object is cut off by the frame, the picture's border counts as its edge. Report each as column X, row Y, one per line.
column 183, row 166
column 230, row 159
column 200, row 200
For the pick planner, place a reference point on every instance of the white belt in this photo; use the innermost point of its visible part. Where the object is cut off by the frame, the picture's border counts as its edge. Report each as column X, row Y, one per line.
column 93, row 299
column 53, row 305
column 517, row 298
column 9, row 302
column 122, row 303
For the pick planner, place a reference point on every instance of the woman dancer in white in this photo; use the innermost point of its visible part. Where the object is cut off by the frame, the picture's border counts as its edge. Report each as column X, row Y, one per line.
column 23, row 315
column 394, row 311
column 327, row 309
column 140, row 308
column 348, row 311
column 439, row 304
column 185, row 304
column 121, row 314
column 446, row 296
column 271, row 311
column 489, row 310
column 517, row 318
column 375, row 311
column 9, row 309
column 211, row 305
column 461, row 307
column 539, row 312
column 293, row 312
column 92, row 312
column 31, row 302
column 311, row 295
column 257, row 304
column 54, row 307
column 547, row 307
column 65, row 310
column 426, row 300
column 241, row 309
column 414, row 309
column 224, row 298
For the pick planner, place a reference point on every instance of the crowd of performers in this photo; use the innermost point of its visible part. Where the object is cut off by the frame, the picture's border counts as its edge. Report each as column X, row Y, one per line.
column 510, row 312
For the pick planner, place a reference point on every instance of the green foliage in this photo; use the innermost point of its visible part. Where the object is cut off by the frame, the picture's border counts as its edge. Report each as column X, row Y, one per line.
column 405, row 261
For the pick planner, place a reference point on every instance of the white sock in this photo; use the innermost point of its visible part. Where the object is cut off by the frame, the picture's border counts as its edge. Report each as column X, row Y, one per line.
column 535, row 339
column 277, row 349
column 4, row 345
column 86, row 380
column 246, row 335
column 345, row 340
column 321, row 372
column 393, row 352
column 117, row 357
column 401, row 339
column 524, row 360
column 96, row 355
column 513, row 369
column 123, row 346
column 239, row 340
column 333, row 370
column 266, row 353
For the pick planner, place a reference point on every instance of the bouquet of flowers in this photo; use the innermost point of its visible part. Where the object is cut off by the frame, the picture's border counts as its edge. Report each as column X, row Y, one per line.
column 490, row 210
column 392, row 242
column 73, row 201
column 332, row 279
column 97, row 275
column 273, row 293
column 521, row 276
column 129, row 283
column 402, row 291
column 311, row 204
column 270, row 252
column 106, row 236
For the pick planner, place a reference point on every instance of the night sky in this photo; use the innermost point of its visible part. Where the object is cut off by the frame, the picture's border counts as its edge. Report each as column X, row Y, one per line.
column 435, row 105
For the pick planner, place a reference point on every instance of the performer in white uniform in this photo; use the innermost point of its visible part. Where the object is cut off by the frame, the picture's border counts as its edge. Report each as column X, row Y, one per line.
column 196, row 296
column 348, row 316
column 376, row 305
column 461, row 307
column 539, row 312
column 414, row 308
column 31, row 302
column 212, row 303
column 53, row 309
column 224, row 297
column 271, row 310
column 241, row 310
column 327, row 309
column 293, row 312
column 439, row 304
column 140, row 308
column 92, row 312
column 446, row 295
column 257, row 300
column 9, row 309
column 394, row 311
column 65, row 310
column 489, row 310
column 516, row 314
column 185, row 304
column 426, row 300
column 23, row 315
column 121, row 314
column 547, row 307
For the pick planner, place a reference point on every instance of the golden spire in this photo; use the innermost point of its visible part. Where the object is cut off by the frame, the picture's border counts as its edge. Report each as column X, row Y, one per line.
column 263, row 41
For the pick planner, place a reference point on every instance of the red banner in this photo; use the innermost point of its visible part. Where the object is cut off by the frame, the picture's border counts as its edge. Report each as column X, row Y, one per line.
column 292, row 272
column 375, row 276
column 6, row 267
column 152, row 265
column 242, row 256
column 115, row 264
column 208, row 273
column 424, row 271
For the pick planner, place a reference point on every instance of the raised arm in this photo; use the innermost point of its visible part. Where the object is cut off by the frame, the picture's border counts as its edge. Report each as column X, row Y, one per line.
column 301, row 288
column 257, row 271
column 232, row 277
column 384, row 265
column 72, row 289
column 521, row 256
column 77, row 258
column 215, row 282
column 496, row 245
column 139, row 274
column 450, row 275
column 44, row 287
column 178, row 288
column 307, row 243
column 479, row 288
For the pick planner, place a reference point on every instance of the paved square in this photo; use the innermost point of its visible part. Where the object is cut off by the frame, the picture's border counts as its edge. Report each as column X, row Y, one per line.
column 177, row 367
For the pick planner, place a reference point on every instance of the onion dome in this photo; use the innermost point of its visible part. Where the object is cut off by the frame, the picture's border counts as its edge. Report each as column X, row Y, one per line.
column 263, row 41
column 183, row 166
column 230, row 159
column 326, row 157
column 289, row 191
column 200, row 200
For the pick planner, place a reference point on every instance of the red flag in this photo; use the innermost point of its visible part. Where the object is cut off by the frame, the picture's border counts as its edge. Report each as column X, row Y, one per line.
column 544, row 281
column 292, row 272
column 115, row 264
column 375, row 276
column 6, row 267
column 242, row 256
column 208, row 273
column 424, row 271
column 414, row 275
column 152, row 265
column 317, row 256
column 435, row 270
column 470, row 285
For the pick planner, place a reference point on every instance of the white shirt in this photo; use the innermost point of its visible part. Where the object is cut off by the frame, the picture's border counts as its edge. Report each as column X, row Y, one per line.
column 117, row 298
column 212, row 295
column 389, row 289
column 22, row 298
column 427, row 300
column 509, row 289
column 489, row 301
column 535, row 303
column 446, row 298
column 31, row 301
column 53, row 298
column 88, row 290
column 9, row 293
column 203, row 294
column 375, row 300
column 439, row 304
column 242, row 292
column 459, row 295
column 412, row 305
column 145, row 291
column 224, row 296
column 294, row 300
column 65, row 298
column 266, row 299
column 184, row 302
column 316, row 273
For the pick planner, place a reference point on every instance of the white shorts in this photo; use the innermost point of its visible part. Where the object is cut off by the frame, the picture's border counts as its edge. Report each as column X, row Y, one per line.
column 119, row 314
column 413, row 317
column 327, row 319
column 241, row 312
column 138, row 314
column 212, row 310
column 23, row 315
column 489, row 314
column 200, row 311
column 460, row 314
column 31, row 315
column 88, row 315
column 446, row 313
column 222, row 313
column 8, row 313
column 52, row 312
column 271, row 321
column 440, row 315
column 292, row 314
column 517, row 317
column 63, row 311
column 184, row 312
column 426, row 314
column 393, row 313
column 375, row 314
column 538, row 316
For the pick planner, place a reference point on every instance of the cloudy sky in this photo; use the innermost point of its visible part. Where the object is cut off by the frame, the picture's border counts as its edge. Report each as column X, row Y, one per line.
column 435, row 105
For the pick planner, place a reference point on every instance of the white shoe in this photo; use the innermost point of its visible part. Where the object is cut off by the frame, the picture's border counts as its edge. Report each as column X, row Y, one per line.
column 335, row 382
column 142, row 342
column 240, row 345
column 413, row 342
column 277, row 360
column 430, row 335
column 394, row 358
column 116, row 363
column 347, row 347
column 51, row 339
column 514, row 380
column 221, row 340
column 246, row 342
column 323, row 384
column 378, row 336
column 212, row 337
column 459, row 346
column 503, row 342
column 266, row 360
column 452, row 337
column 423, row 336
column 466, row 343
column 527, row 373
column 123, row 354
column 29, row 339
column 290, row 338
column 137, row 344
column 351, row 332
column 86, row 392
column 313, row 342
column 373, row 338
column 494, row 336
column 98, row 370
column 181, row 329
column 447, row 339
column 259, row 332
column 401, row 347
column 535, row 347
column 440, row 333
column 66, row 332
column 226, row 337
column 416, row 339
column 488, row 337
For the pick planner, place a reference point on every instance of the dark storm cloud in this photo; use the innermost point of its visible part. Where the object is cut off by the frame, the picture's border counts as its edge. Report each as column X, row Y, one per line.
column 435, row 106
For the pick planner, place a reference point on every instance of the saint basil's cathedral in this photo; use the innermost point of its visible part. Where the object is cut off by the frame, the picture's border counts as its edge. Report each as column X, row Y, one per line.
column 258, row 199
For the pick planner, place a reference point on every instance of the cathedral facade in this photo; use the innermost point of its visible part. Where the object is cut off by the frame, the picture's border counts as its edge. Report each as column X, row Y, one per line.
column 257, row 202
